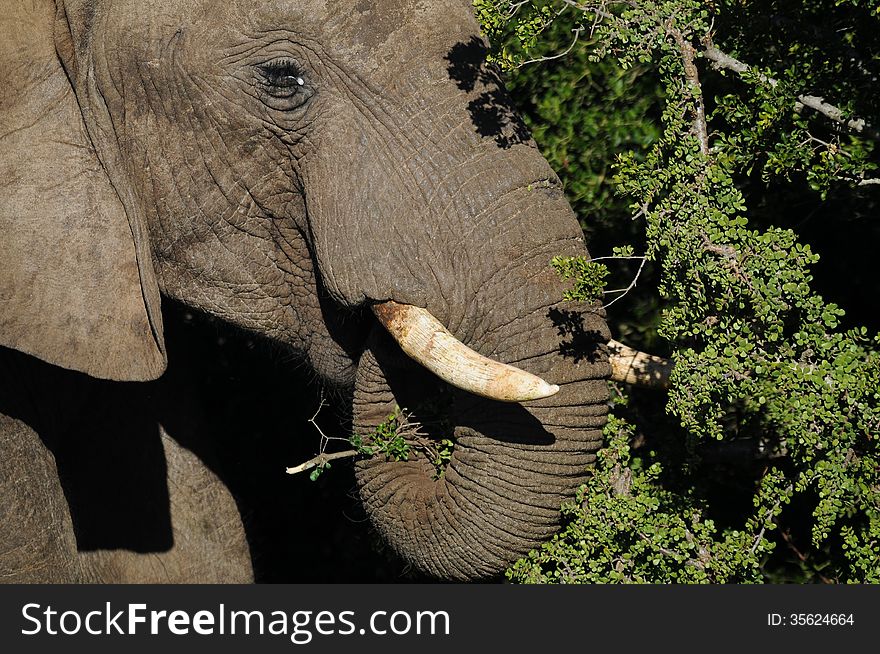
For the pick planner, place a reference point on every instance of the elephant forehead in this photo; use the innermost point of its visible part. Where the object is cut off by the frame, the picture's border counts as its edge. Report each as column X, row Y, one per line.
column 413, row 24
column 367, row 22
column 371, row 37
column 370, row 31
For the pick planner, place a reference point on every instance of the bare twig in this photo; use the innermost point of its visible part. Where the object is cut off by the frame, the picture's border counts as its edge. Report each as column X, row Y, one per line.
column 632, row 284
column 833, row 148
column 577, row 34
column 614, row 256
column 721, row 60
column 323, row 457
column 515, row 7
column 320, row 460
column 600, row 11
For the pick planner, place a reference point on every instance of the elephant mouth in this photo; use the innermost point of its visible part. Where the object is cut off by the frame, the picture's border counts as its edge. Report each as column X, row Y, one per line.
column 470, row 484
column 402, row 413
column 399, row 404
column 446, row 494
column 416, row 407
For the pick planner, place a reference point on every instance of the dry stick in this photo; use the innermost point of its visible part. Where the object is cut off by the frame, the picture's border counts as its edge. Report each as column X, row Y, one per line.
column 320, row 460
column 632, row 284
column 407, row 429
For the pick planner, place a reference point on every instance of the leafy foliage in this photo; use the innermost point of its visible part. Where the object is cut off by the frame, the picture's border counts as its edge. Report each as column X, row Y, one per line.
column 624, row 527
column 588, row 277
column 763, row 364
column 386, row 439
column 396, row 438
column 399, row 436
column 582, row 114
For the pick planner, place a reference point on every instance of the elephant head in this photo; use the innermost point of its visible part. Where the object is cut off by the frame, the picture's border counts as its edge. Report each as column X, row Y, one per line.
column 330, row 175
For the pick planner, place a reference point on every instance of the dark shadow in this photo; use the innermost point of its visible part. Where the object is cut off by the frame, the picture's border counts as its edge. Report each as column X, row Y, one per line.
column 505, row 422
column 582, row 344
column 467, row 64
column 492, row 110
column 107, row 451
column 256, row 399
column 113, row 471
column 241, row 405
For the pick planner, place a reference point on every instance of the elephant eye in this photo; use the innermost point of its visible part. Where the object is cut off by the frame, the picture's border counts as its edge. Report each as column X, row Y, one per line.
column 282, row 78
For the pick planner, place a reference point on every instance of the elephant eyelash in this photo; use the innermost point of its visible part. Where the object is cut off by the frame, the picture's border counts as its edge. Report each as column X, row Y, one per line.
column 282, row 77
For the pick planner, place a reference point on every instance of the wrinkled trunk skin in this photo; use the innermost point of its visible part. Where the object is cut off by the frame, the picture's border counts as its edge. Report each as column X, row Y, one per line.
column 512, row 466
column 442, row 201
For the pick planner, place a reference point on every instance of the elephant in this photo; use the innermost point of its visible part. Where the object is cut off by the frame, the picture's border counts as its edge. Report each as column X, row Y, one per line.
column 346, row 180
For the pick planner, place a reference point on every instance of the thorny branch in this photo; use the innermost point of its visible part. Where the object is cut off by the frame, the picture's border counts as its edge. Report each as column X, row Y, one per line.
column 700, row 128
column 769, row 516
column 803, row 558
column 721, row 60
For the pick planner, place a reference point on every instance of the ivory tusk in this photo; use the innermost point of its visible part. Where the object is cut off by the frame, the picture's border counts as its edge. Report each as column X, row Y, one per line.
column 422, row 337
column 633, row 367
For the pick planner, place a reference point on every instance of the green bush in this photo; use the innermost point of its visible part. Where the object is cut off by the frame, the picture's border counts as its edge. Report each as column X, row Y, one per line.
column 761, row 463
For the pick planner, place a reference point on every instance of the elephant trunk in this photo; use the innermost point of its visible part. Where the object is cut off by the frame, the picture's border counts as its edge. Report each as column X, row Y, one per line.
column 459, row 215
column 512, row 464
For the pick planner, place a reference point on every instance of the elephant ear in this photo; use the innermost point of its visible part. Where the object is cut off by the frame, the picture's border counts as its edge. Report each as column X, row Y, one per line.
column 73, row 290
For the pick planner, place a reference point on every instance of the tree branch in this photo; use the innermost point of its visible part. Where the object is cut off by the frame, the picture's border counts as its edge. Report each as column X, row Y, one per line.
column 323, row 457
column 721, row 60
column 577, row 34
column 320, row 460
column 624, row 291
column 700, row 128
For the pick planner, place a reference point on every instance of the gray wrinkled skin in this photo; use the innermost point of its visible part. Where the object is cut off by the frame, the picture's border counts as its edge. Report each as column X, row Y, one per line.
column 281, row 165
